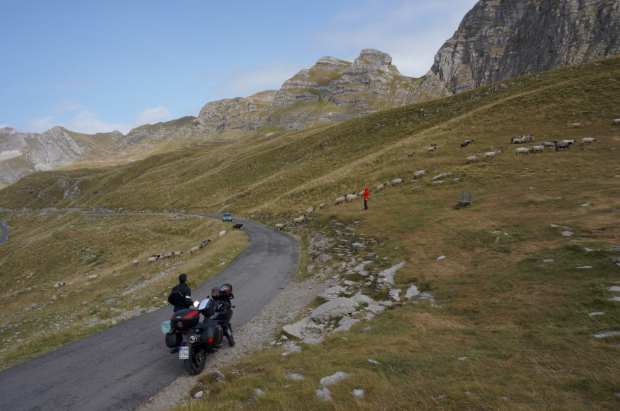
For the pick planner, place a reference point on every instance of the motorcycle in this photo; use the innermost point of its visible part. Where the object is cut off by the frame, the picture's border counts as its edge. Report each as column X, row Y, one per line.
column 195, row 340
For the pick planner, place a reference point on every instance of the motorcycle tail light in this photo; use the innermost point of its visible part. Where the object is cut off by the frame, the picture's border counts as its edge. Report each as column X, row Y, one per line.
column 210, row 340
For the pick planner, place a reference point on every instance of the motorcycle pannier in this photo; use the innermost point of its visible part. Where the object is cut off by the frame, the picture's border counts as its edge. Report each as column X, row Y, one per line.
column 213, row 333
column 184, row 319
column 173, row 340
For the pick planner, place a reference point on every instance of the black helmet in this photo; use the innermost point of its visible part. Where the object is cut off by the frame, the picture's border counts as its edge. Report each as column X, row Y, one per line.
column 225, row 290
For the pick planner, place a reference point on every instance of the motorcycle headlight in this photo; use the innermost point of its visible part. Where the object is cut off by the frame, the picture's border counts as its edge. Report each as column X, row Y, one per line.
column 166, row 327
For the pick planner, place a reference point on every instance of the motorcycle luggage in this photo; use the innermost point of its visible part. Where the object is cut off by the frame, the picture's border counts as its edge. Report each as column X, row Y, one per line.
column 173, row 340
column 184, row 319
column 212, row 333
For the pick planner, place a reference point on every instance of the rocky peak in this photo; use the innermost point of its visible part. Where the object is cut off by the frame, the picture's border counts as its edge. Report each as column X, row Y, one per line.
column 502, row 39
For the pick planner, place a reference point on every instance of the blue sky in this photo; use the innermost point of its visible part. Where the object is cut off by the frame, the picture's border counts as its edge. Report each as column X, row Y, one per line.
column 114, row 65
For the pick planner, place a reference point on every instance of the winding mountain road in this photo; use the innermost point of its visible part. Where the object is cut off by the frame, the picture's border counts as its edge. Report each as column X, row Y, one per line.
column 125, row 365
column 5, row 233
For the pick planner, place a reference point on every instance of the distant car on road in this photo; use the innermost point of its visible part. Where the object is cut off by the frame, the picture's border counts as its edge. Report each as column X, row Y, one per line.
column 227, row 217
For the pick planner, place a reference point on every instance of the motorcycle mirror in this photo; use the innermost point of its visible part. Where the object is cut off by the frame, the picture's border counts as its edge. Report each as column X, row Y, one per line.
column 204, row 304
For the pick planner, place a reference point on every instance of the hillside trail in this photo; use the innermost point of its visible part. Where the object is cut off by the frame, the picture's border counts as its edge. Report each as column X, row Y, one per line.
column 343, row 171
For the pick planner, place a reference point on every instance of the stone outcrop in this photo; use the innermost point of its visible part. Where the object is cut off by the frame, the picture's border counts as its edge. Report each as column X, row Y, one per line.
column 331, row 90
column 502, row 39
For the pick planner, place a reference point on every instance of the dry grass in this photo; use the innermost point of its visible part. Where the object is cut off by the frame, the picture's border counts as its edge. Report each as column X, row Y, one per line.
column 522, row 323
column 67, row 246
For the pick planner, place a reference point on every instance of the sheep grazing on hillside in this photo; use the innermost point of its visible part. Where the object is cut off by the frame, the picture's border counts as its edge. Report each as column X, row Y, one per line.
column 534, row 149
column 136, row 262
column 309, row 210
column 351, row 197
column 573, row 142
column 411, row 154
column 340, row 200
column 491, row 154
column 433, row 145
column 279, row 226
column 204, row 243
column 419, row 173
column 522, row 151
column 516, row 140
column 237, row 226
column 617, row 122
column 299, row 220
column 222, row 233
column 58, row 286
column 466, row 143
column 587, row 140
column 547, row 144
column 177, row 253
column 381, row 187
column 92, row 277
column 152, row 259
column 576, row 125
column 528, row 139
column 322, row 206
column 397, row 182
column 472, row 159
column 563, row 144
column 169, row 255
column 431, row 149
column 394, row 159
column 194, row 250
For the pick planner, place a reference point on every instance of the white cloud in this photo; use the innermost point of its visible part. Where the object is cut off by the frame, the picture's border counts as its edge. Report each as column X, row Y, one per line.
column 152, row 115
column 77, row 85
column 68, row 105
column 411, row 32
column 85, row 121
column 3, row 125
column 252, row 80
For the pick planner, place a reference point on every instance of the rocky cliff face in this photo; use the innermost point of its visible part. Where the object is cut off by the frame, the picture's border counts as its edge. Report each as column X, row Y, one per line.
column 502, row 39
column 331, row 90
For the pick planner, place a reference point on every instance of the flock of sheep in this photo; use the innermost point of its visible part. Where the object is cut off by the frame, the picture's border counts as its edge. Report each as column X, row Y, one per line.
column 564, row 144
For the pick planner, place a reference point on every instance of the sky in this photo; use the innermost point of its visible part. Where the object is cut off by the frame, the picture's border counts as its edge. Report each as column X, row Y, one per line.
column 115, row 65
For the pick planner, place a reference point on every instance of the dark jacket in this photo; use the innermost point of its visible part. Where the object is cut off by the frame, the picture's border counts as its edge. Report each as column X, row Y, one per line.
column 180, row 297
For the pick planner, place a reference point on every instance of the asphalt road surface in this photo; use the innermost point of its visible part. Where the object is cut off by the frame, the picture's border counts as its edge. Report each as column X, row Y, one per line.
column 5, row 233
column 125, row 365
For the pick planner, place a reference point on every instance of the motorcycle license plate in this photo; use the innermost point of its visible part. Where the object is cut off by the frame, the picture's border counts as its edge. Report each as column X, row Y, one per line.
column 184, row 353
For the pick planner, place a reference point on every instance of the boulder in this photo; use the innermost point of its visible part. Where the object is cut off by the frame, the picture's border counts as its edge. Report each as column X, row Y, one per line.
column 338, row 307
column 333, row 379
column 345, row 324
column 332, row 292
column 324, row 395
column 412, row 292
column 296, row 377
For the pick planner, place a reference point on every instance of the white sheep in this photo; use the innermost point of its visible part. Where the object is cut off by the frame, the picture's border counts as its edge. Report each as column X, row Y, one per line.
column 617, row 121
column 419, row 173
column 381, row 187
column 587, row 140
column 58, row 286
column 340, row 200
column 152, row 259
column 517, row 140
column 410, row 154
column 538, row 148
column 92, row 277
column 309, row 210
column 397, row 181
column 491, row 154
column 322, row 206
column 471, row 159
column 573, row 142
column 522, row 150
column 279, row 226
column 169, row 255
column 177, row 253
column 299, row 220
column 136, row 262
column 194, row 250
column 350, row 197
column 576, row 125
column 222, row 233
column 431, row 149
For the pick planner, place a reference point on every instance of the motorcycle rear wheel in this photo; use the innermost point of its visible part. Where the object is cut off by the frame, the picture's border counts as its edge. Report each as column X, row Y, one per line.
column 196, row 362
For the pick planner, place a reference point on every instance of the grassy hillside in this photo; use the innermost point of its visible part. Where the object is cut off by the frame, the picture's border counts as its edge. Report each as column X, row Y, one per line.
column 522, row 323
column 46, row 248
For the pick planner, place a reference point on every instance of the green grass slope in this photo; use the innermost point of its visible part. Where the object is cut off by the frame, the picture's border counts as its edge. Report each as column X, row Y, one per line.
column 522, row 323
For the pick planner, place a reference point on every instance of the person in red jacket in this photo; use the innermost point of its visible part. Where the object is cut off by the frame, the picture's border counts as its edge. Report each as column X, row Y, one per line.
column 366, row 192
